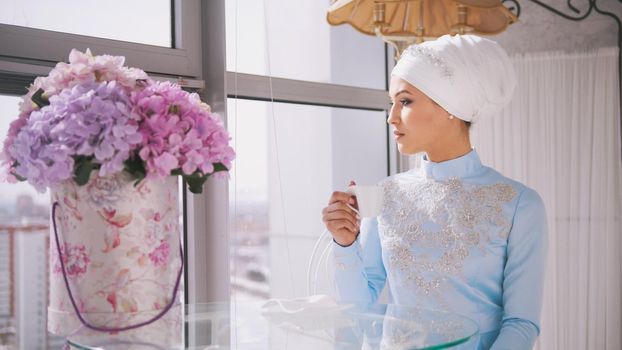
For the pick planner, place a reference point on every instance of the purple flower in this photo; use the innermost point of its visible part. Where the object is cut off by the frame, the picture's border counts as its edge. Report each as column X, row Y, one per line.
column 103, row 113
column 91, row 120
column 38, row 158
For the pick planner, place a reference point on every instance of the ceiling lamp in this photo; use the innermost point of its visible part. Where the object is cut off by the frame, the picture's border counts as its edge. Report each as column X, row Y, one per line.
column 405, row 22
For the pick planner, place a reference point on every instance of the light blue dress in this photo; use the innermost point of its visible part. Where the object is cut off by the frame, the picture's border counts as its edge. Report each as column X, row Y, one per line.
column 455, row 236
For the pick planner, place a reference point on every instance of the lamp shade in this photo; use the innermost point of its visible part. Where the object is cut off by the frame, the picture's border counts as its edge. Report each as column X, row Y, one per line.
column 428, row 19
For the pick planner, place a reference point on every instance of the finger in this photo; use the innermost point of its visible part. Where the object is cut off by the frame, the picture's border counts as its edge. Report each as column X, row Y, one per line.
column 340, row 215
column 338, row 196
column 336, row 225
column 355, row 202
column 342, row 206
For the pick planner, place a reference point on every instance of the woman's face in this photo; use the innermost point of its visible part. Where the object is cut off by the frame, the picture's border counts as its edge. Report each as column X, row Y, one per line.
column 419, row 124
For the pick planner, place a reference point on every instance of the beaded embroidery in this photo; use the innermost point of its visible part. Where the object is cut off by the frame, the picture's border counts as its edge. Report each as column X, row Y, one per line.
column 412, row 333
column 459, row 216
column 432, row 57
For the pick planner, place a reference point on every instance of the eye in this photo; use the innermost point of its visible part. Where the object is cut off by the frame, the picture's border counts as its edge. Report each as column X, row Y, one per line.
column 405, row 102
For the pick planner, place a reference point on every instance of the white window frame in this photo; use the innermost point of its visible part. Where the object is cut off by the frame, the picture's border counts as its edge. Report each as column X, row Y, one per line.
column 45, row 47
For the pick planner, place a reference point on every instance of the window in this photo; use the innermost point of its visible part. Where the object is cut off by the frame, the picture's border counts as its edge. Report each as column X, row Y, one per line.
column 145, row 37
column 29, row 48
column 290, row 158
column 307, row 113
column 291, row 39
column 304, row 71
column 24, row 239
column 138, row 21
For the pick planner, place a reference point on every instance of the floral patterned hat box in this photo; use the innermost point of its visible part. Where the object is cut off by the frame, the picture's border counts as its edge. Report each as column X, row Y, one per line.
column 120, row 245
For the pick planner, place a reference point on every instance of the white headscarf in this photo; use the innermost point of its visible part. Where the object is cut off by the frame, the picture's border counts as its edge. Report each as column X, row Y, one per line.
column 469, row 76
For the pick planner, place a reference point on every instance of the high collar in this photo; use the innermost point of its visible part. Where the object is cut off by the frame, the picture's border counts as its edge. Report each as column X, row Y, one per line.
column 463, row 166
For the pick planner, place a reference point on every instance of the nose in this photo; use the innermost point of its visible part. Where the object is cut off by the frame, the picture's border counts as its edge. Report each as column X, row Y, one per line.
column 393, row 115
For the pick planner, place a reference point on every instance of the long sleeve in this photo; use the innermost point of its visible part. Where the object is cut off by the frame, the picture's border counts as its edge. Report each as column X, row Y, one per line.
column 359, row 272
column 523, row 277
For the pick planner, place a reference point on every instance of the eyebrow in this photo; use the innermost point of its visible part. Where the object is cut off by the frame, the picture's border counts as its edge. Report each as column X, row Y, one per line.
column 401, row 92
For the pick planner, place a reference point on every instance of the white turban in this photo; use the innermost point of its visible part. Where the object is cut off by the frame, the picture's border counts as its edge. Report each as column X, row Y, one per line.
column 469, row 76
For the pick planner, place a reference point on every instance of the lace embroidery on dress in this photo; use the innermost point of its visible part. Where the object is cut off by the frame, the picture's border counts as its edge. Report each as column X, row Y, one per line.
column 462, row 217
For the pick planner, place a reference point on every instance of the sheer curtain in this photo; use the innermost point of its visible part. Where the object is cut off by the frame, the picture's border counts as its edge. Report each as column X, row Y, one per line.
column 561, row 136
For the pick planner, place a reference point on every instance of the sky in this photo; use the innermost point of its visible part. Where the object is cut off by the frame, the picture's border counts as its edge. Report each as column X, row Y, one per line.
column 142, row 21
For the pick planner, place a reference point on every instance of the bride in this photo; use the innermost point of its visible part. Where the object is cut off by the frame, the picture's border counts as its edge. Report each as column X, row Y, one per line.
column 453, row 235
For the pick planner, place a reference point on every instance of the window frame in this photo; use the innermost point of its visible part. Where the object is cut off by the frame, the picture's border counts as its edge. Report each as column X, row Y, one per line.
column 45, row 47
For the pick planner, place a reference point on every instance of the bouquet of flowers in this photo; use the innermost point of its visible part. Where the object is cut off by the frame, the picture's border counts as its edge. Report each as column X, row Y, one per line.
column 94, row 113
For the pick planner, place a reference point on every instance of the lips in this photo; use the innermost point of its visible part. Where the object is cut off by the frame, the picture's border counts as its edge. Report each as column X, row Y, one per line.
column 397, row 134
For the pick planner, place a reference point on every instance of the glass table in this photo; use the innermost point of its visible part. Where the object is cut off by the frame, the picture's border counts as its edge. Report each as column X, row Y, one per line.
column 243, row 325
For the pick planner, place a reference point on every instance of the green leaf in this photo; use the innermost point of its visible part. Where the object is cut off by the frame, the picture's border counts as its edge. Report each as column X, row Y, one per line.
column 195, row 182
column 135, row 167
column 173, row 109
column 138, row 180
column 18, row 177
column 220, row 167
column 82, row 171
column 39, row 99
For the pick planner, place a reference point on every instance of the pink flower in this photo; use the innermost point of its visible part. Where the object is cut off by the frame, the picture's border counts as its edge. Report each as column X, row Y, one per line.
column 100, row 114
column 159, row 256
column 84, row 68
column 75, row 259
column 193, row 160
column 179, row 132
column 6, row 172
column 14, row 128
column 165, row 163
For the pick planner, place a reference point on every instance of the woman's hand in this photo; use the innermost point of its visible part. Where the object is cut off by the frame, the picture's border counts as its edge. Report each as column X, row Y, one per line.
column 340, row 220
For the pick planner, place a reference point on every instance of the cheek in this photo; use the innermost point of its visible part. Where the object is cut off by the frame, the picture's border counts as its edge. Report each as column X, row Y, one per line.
column 419, row 121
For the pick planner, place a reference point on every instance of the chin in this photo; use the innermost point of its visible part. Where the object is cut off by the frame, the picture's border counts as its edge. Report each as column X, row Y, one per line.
column 407, row 151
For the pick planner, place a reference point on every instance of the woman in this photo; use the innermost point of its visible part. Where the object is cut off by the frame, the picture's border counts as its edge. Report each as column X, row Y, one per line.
column 453, row 235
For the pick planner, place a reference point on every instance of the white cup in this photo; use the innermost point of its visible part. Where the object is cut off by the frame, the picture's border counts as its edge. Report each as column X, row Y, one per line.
column 369, row 199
